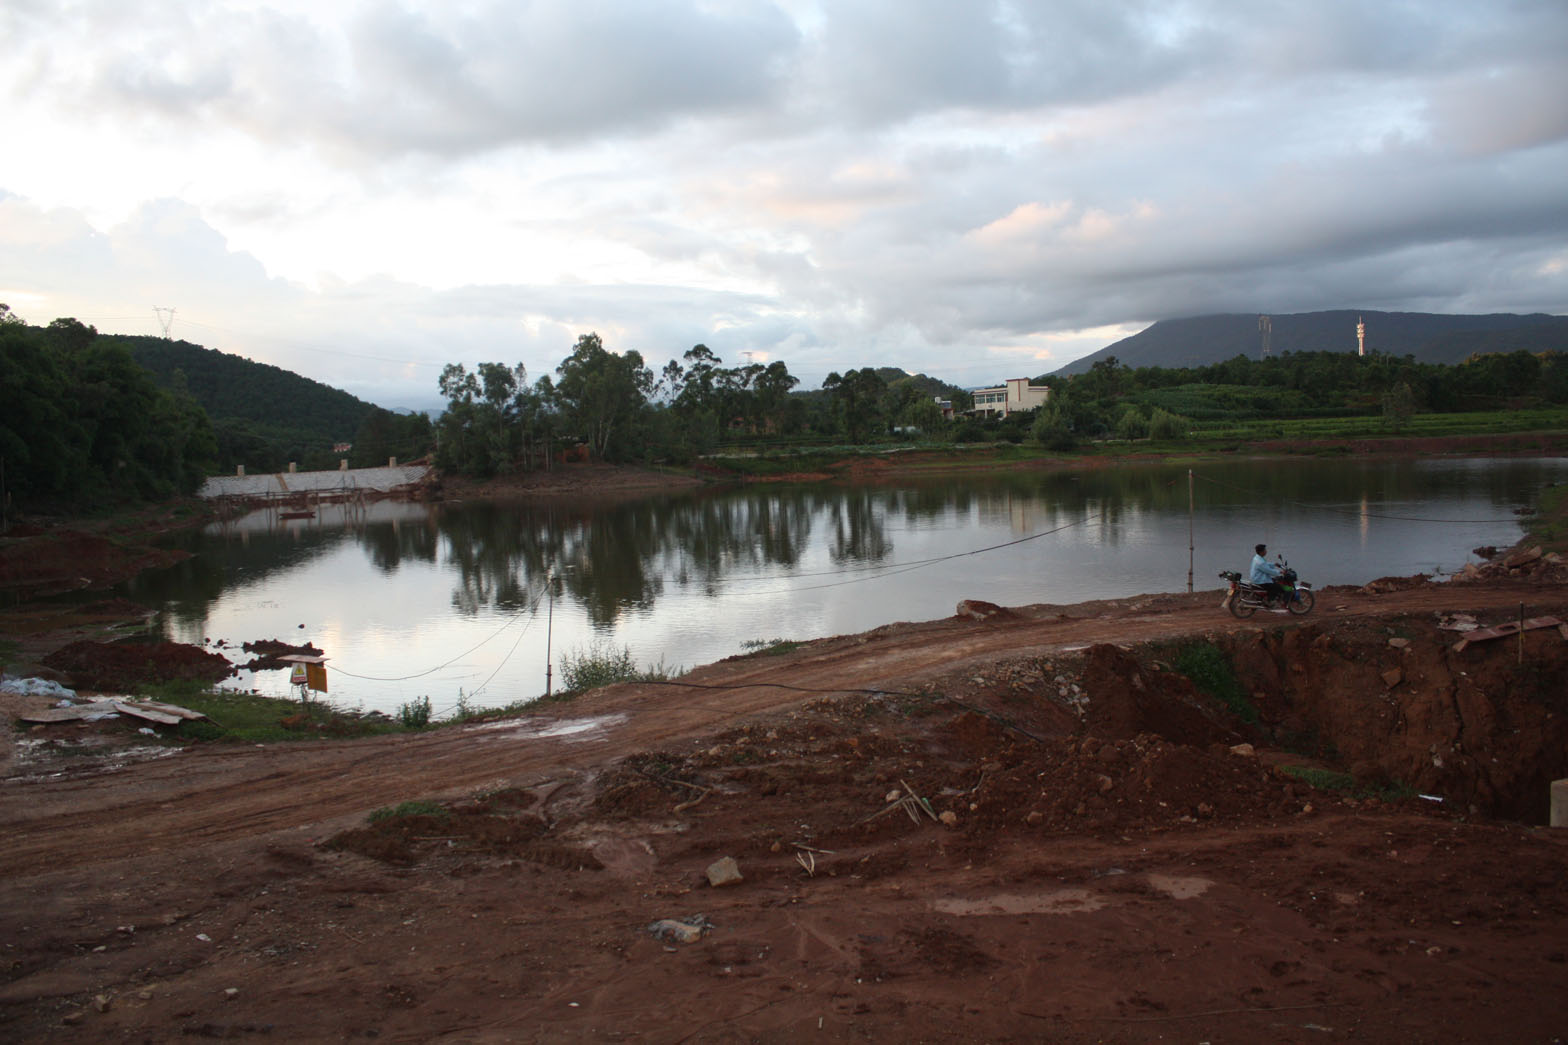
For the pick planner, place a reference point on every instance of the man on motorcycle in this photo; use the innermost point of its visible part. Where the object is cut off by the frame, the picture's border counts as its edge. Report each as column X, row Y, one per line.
column 1266, row 575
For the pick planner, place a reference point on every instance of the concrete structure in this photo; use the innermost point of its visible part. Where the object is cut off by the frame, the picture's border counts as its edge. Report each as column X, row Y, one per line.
column 339, row 482
column 1559, row 808
column 1017, row 394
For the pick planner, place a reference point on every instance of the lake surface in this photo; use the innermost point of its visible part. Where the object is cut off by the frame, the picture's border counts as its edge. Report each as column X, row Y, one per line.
column 452, row 601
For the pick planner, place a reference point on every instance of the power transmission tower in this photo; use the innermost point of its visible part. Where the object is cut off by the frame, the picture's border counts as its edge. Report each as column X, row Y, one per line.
column 166, row 321
column 1266, row 328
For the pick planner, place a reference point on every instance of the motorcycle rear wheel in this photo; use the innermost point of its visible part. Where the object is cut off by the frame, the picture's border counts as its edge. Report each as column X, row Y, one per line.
column 1302, row 602
column 1240, row 609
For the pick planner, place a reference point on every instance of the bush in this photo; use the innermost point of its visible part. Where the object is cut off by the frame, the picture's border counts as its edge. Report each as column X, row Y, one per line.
column 604, row 665
column 415, row 715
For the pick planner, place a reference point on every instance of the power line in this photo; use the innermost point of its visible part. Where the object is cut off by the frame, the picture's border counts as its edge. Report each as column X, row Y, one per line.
column 1357, row 512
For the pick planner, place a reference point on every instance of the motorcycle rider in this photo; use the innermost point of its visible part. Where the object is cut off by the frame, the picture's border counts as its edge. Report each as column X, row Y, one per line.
column 1266, row 575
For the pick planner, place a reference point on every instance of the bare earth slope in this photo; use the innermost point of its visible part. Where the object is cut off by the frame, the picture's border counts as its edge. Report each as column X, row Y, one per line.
column 1091, row 861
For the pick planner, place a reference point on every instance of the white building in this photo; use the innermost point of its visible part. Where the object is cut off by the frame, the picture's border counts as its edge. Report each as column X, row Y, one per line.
column 1017, row 394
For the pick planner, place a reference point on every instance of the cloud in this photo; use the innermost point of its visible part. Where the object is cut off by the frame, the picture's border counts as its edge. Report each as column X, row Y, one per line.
column 933, row 185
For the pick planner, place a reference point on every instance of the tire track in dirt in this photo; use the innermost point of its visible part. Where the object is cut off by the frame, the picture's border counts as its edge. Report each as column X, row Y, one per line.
column 210, row 795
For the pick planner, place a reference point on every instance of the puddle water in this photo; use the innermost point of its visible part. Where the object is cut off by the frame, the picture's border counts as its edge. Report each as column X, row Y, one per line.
column 575, row 729
column 1179, row 888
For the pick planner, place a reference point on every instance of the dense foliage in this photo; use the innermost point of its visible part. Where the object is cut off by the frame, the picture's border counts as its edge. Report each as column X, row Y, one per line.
column 84, row 425
column 265, row 417
column 1116, row 401
column 610, row 406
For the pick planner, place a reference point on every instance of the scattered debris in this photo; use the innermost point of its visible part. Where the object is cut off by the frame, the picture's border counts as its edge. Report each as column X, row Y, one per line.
column 681, row 930
column 1511, row 628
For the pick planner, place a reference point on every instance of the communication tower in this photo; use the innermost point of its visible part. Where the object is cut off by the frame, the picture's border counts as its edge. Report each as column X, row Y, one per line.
column 165, row 318
column 1265, row 329
column 1361, row 337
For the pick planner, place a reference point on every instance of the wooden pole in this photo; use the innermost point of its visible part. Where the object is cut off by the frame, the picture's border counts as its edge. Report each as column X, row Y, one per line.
column 549, row 627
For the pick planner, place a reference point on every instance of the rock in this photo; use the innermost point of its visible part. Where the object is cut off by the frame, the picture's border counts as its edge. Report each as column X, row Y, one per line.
column 681, row 930
column 1106, row 783
column 230, row 993
column 949, row 818
column 724, row 872
column 979, row 610
column 101, row 1002
column 1399, row 643
column 1516, row 559
column 1393, row 677
column 1035, row 818
column 894, row 795
column 1244, row 750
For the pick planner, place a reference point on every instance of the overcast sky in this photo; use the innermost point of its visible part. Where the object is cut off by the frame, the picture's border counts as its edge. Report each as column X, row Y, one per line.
column 362, row 192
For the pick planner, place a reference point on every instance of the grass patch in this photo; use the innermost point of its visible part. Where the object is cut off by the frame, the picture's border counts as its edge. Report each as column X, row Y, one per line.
column 249, row 718
column 407, row 809
column 1549, row 525
column 769, row 647
column 1344, row 783
column 1210, row 670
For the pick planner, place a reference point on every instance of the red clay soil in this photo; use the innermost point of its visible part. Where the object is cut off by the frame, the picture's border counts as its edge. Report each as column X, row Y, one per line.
column 1027, row 827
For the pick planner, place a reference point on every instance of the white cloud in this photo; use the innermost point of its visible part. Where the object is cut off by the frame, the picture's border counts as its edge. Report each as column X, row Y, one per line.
column 939, row 186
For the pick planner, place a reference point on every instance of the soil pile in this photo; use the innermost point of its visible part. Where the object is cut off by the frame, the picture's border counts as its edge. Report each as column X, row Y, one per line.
column 122, row 666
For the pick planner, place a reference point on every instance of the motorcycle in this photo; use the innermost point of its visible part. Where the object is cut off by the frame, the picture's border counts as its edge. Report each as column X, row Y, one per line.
column 1244, row 598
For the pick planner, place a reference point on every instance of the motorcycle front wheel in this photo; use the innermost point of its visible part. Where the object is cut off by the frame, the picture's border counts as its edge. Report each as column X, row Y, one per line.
column 1302, row 602
column 1241, row 609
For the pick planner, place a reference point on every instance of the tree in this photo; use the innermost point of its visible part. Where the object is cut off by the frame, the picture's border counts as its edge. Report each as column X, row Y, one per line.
column 856, row 397
column 601, row 393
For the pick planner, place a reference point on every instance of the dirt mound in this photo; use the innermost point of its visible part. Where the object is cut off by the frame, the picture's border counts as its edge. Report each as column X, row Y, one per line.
column 268, row 651
column 122, row 666
column 54, row 561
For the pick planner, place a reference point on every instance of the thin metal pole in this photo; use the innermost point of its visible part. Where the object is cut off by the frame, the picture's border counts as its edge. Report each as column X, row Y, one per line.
column 549, row 627
column 1189, row 531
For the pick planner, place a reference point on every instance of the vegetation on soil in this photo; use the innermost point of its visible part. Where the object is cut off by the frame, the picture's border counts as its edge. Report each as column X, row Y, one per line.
column 1210, row 670
column 603, row 665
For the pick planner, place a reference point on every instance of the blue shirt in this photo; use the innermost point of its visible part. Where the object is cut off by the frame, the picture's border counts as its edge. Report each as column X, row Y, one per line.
column 1263, row 571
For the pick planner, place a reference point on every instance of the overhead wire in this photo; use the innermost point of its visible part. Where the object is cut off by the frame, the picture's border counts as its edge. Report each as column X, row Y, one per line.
column 1357, row 512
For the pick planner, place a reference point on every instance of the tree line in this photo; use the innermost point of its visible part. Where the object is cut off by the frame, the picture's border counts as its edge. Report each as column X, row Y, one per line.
column 85, row 425
column 617, row 408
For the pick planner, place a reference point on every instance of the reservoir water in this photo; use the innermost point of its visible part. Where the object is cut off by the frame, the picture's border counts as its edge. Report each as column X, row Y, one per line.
column 469, row 601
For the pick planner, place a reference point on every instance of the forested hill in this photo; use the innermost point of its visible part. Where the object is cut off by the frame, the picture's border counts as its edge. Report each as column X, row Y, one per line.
column 232, row 387
column 1430, row 338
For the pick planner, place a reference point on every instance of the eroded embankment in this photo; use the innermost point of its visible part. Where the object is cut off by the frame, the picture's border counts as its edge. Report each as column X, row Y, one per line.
column 1393, row 700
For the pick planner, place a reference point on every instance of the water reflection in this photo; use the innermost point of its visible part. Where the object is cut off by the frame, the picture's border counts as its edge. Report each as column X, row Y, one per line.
column 395, row 588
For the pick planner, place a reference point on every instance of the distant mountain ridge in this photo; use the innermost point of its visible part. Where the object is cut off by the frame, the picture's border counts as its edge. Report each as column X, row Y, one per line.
column 1429, row 337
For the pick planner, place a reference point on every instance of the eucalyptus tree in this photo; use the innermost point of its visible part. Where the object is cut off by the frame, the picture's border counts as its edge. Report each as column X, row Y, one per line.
column 602, row 395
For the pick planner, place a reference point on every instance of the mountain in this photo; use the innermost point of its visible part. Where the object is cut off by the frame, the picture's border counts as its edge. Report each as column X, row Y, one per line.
column 264, row 416
column 1429, row 337
column 229, row 386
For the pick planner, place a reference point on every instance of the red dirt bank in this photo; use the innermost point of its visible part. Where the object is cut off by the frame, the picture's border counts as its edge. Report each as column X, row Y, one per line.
column 1109, row 869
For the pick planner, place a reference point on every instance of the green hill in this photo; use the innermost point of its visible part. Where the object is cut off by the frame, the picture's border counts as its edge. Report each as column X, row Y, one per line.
column 264, row 416
column 1429, row 337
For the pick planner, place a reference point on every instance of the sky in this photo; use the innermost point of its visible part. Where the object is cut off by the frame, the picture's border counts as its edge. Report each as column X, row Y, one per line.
column 363, row 192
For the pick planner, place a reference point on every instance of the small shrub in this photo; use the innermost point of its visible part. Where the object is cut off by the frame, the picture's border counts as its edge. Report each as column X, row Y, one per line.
column 416, row 714
column 604, row 665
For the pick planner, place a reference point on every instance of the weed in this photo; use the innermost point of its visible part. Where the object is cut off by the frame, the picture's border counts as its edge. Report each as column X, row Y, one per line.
column 1210, row 670
column 604, row 665
column 416, row 714
column 1333, row 780
column 769, row 647
column 405, row 809
column 255, row 719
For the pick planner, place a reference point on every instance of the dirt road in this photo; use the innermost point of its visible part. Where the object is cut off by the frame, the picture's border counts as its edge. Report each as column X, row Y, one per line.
column 1104, row 868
